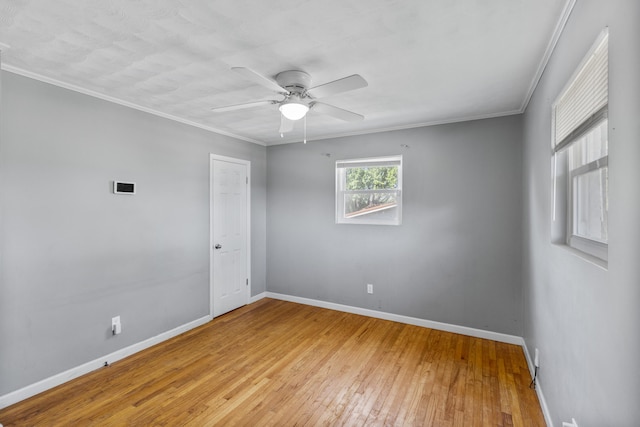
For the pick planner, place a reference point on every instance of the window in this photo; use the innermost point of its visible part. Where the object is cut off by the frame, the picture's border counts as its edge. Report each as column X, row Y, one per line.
column 369, row 191
column 581, row 156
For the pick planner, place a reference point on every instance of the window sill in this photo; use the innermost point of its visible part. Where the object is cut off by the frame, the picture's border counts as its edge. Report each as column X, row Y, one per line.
column 584, row 256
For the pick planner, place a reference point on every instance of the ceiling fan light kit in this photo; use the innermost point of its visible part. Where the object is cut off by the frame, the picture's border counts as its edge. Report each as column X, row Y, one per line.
column 299, row 98
column 294, row 108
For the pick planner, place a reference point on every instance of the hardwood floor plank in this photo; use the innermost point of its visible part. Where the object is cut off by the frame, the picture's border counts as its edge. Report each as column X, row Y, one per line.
column 276, row 363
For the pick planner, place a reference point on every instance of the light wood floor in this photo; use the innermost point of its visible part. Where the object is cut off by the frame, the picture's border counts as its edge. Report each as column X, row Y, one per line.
column 285, row 364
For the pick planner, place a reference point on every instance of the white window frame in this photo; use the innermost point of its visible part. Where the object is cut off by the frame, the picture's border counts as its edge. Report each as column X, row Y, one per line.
column 591, row 246
column 342, row 192
column 581, row 107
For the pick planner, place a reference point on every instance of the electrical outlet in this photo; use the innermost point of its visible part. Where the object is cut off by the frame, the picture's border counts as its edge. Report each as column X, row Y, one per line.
column 116, row 326
column 369, row 288
column 536, row 358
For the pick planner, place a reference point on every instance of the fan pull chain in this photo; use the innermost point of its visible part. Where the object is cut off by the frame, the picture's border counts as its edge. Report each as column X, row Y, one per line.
column 305, row 129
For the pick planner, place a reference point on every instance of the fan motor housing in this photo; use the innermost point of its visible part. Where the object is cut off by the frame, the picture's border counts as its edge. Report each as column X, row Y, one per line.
column 294, row 80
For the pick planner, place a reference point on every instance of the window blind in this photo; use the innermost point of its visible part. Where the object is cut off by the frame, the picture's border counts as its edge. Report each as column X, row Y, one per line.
column 370, row 163
column 586, row 95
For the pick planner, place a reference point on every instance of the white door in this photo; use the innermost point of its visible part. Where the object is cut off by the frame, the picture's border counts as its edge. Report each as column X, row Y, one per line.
column 229, row 234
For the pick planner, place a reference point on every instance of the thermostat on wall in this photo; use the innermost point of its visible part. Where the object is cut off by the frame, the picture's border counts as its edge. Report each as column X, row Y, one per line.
column 120, row 187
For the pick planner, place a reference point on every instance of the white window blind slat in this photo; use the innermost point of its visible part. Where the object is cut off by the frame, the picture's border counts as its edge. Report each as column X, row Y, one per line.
column 368, row 163
column 587, row 93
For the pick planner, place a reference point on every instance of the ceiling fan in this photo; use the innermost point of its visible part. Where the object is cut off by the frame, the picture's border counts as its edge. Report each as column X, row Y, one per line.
column 298, row 97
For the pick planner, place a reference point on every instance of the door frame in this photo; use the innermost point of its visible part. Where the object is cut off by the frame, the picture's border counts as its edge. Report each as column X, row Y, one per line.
column 247, row 163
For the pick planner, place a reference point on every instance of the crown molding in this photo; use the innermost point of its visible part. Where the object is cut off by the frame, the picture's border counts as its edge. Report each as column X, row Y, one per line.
column 84, row 91
column 403, row 127
column 551, row 46
column 558, row 30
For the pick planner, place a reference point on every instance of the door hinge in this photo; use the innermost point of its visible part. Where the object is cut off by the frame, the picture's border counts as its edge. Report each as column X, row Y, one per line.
column 247, row 179
column 247, row 282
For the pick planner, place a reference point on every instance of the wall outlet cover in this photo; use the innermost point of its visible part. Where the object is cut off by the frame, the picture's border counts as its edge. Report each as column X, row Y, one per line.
column 116, row 326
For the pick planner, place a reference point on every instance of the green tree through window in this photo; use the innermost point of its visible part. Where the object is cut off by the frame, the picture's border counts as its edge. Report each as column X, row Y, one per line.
column 367, row 180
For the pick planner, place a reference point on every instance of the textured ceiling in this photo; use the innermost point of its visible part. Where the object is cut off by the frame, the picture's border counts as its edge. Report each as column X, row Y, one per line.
column 426, row 61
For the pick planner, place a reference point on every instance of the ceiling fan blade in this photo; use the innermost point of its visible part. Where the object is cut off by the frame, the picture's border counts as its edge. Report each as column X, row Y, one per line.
column 249, row 74
column 338, row 86
column 241, row 106
column 286, row 125
column 336, row 112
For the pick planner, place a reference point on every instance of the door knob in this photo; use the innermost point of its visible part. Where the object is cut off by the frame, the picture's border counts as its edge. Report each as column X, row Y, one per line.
column 218, row 246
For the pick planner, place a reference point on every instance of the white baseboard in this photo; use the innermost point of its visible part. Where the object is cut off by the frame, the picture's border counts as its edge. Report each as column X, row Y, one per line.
column 63, row 377
column 541, row 399
column 48, row 383
column 258, row 297
column 463, row 330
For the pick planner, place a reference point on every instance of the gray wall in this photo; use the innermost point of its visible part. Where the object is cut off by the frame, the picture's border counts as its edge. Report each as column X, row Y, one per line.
column 585, row 319
column 456, row 258
column 73, row 254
